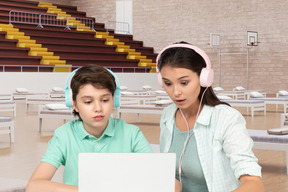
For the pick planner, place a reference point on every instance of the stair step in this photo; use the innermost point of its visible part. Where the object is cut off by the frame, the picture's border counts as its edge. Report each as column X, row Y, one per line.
column 134, row 53
column 9, row 51
column 136, row 57
column 28, row 45
column 63, row 46
column 9, row 29
column 63, row 68
column 36, row 53
column 144, row 64
column 113, row 40
column 52, row 62
column 54, row 8
column 13, row 32
column 16, row 59
column 6, row 26
column 146, row 60
column 124, row 47
column 102, row 33
column 153, row 69
column 114, row 43
column 27, row 41
column 103, row 62
column 57, row 33
column 91, row 55
column 17, row 37
column 85, row 29
column 42, row 49
column 48, row 57
column 124, row 50
column 44, row 4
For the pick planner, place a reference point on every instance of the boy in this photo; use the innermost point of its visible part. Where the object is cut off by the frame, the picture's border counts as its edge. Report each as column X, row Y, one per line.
column 93, row 88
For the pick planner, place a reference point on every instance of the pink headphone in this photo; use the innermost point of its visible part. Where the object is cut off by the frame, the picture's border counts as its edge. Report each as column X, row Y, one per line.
column 206, row 75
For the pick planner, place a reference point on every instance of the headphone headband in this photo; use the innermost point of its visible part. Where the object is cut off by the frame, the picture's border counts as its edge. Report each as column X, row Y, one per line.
column 68, row 91
column 206, row 75
column 182, row 45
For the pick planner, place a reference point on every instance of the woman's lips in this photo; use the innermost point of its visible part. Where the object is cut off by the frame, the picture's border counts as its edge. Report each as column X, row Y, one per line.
column 98, row 118
column 180, row 101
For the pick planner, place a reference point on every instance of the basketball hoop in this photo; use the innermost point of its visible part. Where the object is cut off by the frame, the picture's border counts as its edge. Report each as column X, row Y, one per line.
column 252, row 38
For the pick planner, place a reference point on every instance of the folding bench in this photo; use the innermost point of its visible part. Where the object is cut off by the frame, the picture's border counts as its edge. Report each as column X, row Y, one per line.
column 7, row 105
column 9, row 123
column 43, row 112
column 146, row 109
column 263, row 140
column 17, row 95
column 253, row 105
column 57, row 94
column 42, row 101
column 275, row 100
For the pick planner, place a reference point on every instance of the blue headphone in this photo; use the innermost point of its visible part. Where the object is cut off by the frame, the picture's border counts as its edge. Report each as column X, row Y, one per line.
column 68, row 91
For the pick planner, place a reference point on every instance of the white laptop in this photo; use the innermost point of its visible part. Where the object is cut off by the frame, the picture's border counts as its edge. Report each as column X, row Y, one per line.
column 127, row 172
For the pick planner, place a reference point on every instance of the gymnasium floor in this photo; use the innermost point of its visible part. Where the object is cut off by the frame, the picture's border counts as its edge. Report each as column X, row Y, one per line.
column 19, row 160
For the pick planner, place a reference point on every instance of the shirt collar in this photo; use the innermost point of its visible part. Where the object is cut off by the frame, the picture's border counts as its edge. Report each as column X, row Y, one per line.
column 205, row 115
column 109, row 131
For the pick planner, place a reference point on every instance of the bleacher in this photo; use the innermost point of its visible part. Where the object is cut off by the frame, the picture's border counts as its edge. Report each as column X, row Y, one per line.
column 66, row 43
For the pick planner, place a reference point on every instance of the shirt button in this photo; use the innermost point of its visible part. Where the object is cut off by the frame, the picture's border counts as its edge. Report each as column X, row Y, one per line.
column 96, row 143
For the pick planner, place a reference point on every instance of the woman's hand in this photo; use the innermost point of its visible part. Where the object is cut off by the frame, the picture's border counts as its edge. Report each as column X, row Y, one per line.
column 250, row 183
column 178, row 187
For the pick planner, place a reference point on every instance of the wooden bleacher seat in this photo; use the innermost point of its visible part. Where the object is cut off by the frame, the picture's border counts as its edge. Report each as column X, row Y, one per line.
column 70, row 45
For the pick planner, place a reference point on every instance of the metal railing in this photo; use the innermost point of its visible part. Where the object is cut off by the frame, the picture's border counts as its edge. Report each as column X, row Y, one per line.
column 118, row 27
column 25, row 66
column 41, row 19
column 52, row 67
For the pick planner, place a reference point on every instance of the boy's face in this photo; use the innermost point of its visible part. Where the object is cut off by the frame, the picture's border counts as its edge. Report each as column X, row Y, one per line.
column 94, row 107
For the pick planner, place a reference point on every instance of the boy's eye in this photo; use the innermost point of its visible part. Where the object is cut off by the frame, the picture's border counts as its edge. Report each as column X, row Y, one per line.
column 105, row 100
column 87, row 102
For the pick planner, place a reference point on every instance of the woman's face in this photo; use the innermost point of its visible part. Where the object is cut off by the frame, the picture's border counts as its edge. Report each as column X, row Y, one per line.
column 182, row 85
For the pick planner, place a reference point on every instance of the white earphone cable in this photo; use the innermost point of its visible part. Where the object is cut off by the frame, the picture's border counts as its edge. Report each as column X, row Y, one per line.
column 188, row 135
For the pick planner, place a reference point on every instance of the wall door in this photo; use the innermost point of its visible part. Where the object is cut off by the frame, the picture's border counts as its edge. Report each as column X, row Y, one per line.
column 124, row 16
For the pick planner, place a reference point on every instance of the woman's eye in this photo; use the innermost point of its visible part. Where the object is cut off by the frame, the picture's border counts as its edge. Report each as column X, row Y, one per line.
column 167, row 83
column 184, row 82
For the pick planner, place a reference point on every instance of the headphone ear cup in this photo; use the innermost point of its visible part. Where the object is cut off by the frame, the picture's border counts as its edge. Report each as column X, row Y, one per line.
column 159, row 76
column 117, row 97
column 206, row 77
column 68, row 97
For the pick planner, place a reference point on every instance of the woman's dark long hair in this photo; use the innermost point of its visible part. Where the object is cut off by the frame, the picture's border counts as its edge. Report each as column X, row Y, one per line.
column 180, row 57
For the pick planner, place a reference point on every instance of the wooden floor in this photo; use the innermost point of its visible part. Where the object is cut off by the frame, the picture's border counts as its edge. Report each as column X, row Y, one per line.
column 18, row 160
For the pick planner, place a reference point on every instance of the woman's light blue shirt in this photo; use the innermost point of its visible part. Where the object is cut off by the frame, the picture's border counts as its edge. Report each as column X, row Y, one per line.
column 192, row 176
column 71, row 139
column 223, row 144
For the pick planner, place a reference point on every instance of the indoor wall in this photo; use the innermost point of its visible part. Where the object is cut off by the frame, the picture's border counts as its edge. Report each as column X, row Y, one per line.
column 159, row 23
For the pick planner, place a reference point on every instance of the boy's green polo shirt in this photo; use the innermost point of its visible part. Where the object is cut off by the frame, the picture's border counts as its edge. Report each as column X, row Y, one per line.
column 71, row 139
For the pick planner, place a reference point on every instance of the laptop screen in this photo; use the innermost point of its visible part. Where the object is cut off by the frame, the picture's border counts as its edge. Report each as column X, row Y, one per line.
column 127, row 172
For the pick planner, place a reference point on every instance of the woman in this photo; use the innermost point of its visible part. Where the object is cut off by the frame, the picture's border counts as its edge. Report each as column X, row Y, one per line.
column 212, row 146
